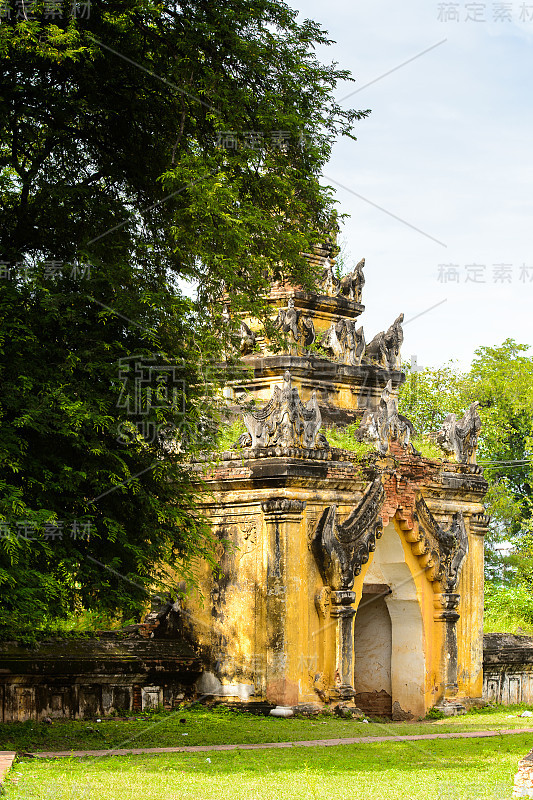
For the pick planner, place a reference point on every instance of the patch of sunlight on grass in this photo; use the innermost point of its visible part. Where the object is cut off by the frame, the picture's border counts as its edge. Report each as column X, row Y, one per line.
column 463, row 769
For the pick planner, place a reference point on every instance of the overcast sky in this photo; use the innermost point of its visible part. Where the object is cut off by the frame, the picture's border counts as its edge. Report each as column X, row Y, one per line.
column 448, row 150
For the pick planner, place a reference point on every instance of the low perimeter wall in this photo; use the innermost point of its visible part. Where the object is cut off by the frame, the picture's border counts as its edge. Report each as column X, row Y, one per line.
column 507, row 668
column 94, row 677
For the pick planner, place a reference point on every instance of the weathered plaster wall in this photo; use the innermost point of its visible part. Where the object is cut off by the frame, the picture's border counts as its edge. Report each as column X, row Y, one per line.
column 260, row 625
column 228, row 613
column 373, row 646
column 470, row 623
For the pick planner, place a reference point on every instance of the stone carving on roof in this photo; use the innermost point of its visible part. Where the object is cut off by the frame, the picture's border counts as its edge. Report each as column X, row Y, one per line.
column 285, row 421
column 344, row 342
column 247, row 339
column 298, row 325
column 459, row 437
column 341, row 548
column 349, row 286
column 384, row 349
column 328, row 282
column 386, row 424
column 306, row 328
column 448, row 547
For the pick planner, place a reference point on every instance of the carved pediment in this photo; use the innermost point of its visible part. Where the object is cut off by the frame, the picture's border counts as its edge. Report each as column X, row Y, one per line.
column 341, row 548
column 448, row 547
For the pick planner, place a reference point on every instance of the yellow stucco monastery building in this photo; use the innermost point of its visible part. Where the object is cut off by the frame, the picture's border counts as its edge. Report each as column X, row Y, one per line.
column 346, row 576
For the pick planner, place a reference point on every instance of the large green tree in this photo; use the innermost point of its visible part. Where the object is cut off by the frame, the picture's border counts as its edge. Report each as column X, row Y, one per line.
column 142, row 144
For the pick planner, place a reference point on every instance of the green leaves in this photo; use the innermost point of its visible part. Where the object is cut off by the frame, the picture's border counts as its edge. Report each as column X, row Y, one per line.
column 501, row 379
column 116, row 184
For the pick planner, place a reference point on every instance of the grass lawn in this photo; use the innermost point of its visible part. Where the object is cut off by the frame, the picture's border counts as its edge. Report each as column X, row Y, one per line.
column 201, row 726
column 461, row 769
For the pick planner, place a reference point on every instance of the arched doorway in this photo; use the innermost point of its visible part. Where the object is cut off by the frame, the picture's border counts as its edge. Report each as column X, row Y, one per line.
column 389, row 643
column 373, row 653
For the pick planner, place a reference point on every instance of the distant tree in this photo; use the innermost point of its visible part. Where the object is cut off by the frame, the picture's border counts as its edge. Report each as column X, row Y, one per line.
column 501, row 379
column 429, row 395
column 141, row 145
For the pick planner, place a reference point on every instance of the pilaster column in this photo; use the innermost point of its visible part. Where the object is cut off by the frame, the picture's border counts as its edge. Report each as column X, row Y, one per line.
column 282, row 517
column 446, row 612
column 343, row 611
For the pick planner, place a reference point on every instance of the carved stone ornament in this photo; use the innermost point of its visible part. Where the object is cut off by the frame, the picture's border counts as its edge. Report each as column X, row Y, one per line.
column 459, row 437
column 328, row 282
column 307, row 334
column 386, row 424
column 298, row 325
column 323, row 601
column 249, row 530
column 384, row 349
column 345, row 343
column 282, row 505
column 287, row 320
column 247, row 339
column 351, row 285
column 341, row 549
column 448, row 547
column 285, row 421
